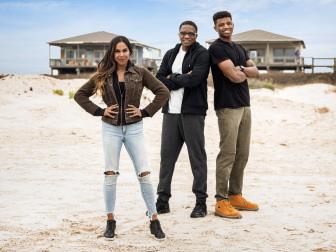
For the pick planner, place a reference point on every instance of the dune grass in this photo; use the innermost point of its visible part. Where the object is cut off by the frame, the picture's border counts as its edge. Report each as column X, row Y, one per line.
column 71, row 94
column 58, row 92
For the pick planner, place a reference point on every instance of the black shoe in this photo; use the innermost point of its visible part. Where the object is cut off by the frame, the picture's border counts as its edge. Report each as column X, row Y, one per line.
column 200, row 210
column 110, row 228
column 162, row 207
column 156, row 230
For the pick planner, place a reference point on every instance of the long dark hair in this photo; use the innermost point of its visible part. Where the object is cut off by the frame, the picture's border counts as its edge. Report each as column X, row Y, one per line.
column 108, row 65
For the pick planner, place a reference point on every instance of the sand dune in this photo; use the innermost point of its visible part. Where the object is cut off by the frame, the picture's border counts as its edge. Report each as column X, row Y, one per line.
column 52, row 163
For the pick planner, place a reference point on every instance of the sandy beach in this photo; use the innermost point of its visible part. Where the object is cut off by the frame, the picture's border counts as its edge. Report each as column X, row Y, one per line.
column 51, row 175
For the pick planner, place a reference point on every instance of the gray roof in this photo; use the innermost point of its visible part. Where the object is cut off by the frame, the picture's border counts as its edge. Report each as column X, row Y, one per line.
column 261, row 36
column 100, row 37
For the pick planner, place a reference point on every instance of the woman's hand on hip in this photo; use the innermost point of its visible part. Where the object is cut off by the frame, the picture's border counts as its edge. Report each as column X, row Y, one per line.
column 111, row 111
column 133, row 111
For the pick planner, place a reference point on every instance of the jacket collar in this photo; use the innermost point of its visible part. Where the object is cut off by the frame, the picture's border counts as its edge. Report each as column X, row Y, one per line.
column 190, row 49
column 130, row 67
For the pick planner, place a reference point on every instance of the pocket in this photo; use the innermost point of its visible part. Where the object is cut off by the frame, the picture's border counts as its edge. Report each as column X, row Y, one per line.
column 135, row 78
column 136, row 82
column 134, row 92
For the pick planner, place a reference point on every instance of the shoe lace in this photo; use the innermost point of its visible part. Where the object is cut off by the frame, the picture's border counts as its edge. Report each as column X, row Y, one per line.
column 230, row 207
column 245, row 201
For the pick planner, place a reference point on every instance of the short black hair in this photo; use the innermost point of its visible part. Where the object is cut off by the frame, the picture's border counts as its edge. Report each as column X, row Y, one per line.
column 221, row 14
column 188, row 22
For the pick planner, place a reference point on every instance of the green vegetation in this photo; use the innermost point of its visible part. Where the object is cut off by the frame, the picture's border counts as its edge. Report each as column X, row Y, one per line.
column 255, row 83
column 71, row 94
column 277, row 80
column 58, row 92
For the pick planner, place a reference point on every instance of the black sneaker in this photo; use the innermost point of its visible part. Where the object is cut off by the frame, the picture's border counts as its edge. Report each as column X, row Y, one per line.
column 110, row 228
column 162, row 207
column 156, row 230
column 200, row 210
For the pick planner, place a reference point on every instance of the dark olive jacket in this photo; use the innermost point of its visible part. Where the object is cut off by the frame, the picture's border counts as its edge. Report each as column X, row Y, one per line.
column 136, row 78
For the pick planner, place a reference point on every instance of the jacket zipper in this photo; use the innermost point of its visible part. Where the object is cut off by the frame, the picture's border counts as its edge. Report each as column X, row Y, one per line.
column 113, row 93
column 121, row 101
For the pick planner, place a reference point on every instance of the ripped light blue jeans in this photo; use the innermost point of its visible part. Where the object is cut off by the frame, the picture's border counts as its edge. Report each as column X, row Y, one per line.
column 133, row 138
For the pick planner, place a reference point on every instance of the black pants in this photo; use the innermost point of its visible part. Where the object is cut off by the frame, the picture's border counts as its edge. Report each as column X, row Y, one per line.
column 176, row 130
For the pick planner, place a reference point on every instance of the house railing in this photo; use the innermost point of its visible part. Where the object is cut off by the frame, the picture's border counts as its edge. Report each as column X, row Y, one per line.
column 73, row 63
column 327, row 63
column 298, row 62
column 286, row 60
column 278, row 60
column 258, row 60
column 54, row 63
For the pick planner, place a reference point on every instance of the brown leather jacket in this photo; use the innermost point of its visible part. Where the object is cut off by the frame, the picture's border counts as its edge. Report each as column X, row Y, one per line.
column 136, row 78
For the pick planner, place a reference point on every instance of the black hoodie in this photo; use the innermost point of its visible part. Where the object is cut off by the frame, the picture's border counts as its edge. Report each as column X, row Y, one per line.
column 197, row 61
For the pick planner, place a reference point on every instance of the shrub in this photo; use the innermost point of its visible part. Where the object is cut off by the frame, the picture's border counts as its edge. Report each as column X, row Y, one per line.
column 254, row 84
column 58, row 92
column 71, row 94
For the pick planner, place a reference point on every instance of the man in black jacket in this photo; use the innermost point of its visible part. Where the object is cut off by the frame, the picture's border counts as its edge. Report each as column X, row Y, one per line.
column 184, row 71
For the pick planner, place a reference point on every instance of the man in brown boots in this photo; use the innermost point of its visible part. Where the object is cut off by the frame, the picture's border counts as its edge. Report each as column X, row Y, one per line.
column 231, row 67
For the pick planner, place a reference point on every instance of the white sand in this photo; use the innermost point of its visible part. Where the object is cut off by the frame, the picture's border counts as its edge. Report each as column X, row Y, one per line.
column 51, row 176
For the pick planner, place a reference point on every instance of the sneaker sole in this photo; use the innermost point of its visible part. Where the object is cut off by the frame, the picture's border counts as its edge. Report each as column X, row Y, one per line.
column 229, row 217
column 200, row 216
column 158, row 239
column 163, row 212
column 109, row 239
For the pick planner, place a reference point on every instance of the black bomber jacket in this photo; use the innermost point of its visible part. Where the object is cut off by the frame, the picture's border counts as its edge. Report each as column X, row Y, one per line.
column 197, row 62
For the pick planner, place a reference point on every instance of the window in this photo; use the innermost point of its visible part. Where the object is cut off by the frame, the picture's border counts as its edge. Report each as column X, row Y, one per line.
column 278, row 52
column 281, row 55
column 257, row 55
column 289, row 52
column 70, row 54
column 98, row 54
column 82, row 53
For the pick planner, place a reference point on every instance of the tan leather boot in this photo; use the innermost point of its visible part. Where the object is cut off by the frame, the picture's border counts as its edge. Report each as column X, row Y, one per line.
column 240, row 203
column 224, row 209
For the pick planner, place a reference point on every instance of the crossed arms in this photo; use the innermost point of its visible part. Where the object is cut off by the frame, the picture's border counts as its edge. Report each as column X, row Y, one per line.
column 193, row 78
column 234, row 73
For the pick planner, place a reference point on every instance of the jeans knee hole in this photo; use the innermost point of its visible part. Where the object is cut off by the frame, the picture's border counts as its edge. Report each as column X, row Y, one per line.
column 111, row 173
column 144, row 174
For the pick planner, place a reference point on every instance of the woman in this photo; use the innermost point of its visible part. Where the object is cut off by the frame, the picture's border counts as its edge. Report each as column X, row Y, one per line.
column 121, row 83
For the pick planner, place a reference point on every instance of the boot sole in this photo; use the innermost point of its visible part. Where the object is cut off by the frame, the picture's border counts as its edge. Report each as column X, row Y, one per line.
column 229, row 217
column 246, row 209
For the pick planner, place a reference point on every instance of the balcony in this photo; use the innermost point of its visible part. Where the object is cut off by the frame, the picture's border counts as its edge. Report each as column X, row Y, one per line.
column 73, row 63
column 285, row 61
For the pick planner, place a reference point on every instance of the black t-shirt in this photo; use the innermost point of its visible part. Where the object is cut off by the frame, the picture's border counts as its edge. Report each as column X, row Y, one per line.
column 227, row 93
column 119, row 89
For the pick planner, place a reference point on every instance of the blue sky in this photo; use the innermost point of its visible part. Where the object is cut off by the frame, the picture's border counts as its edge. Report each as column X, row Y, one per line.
column 27, row 26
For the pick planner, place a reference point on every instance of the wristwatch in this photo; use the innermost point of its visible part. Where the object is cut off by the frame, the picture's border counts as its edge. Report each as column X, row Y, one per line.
column 242, row 68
